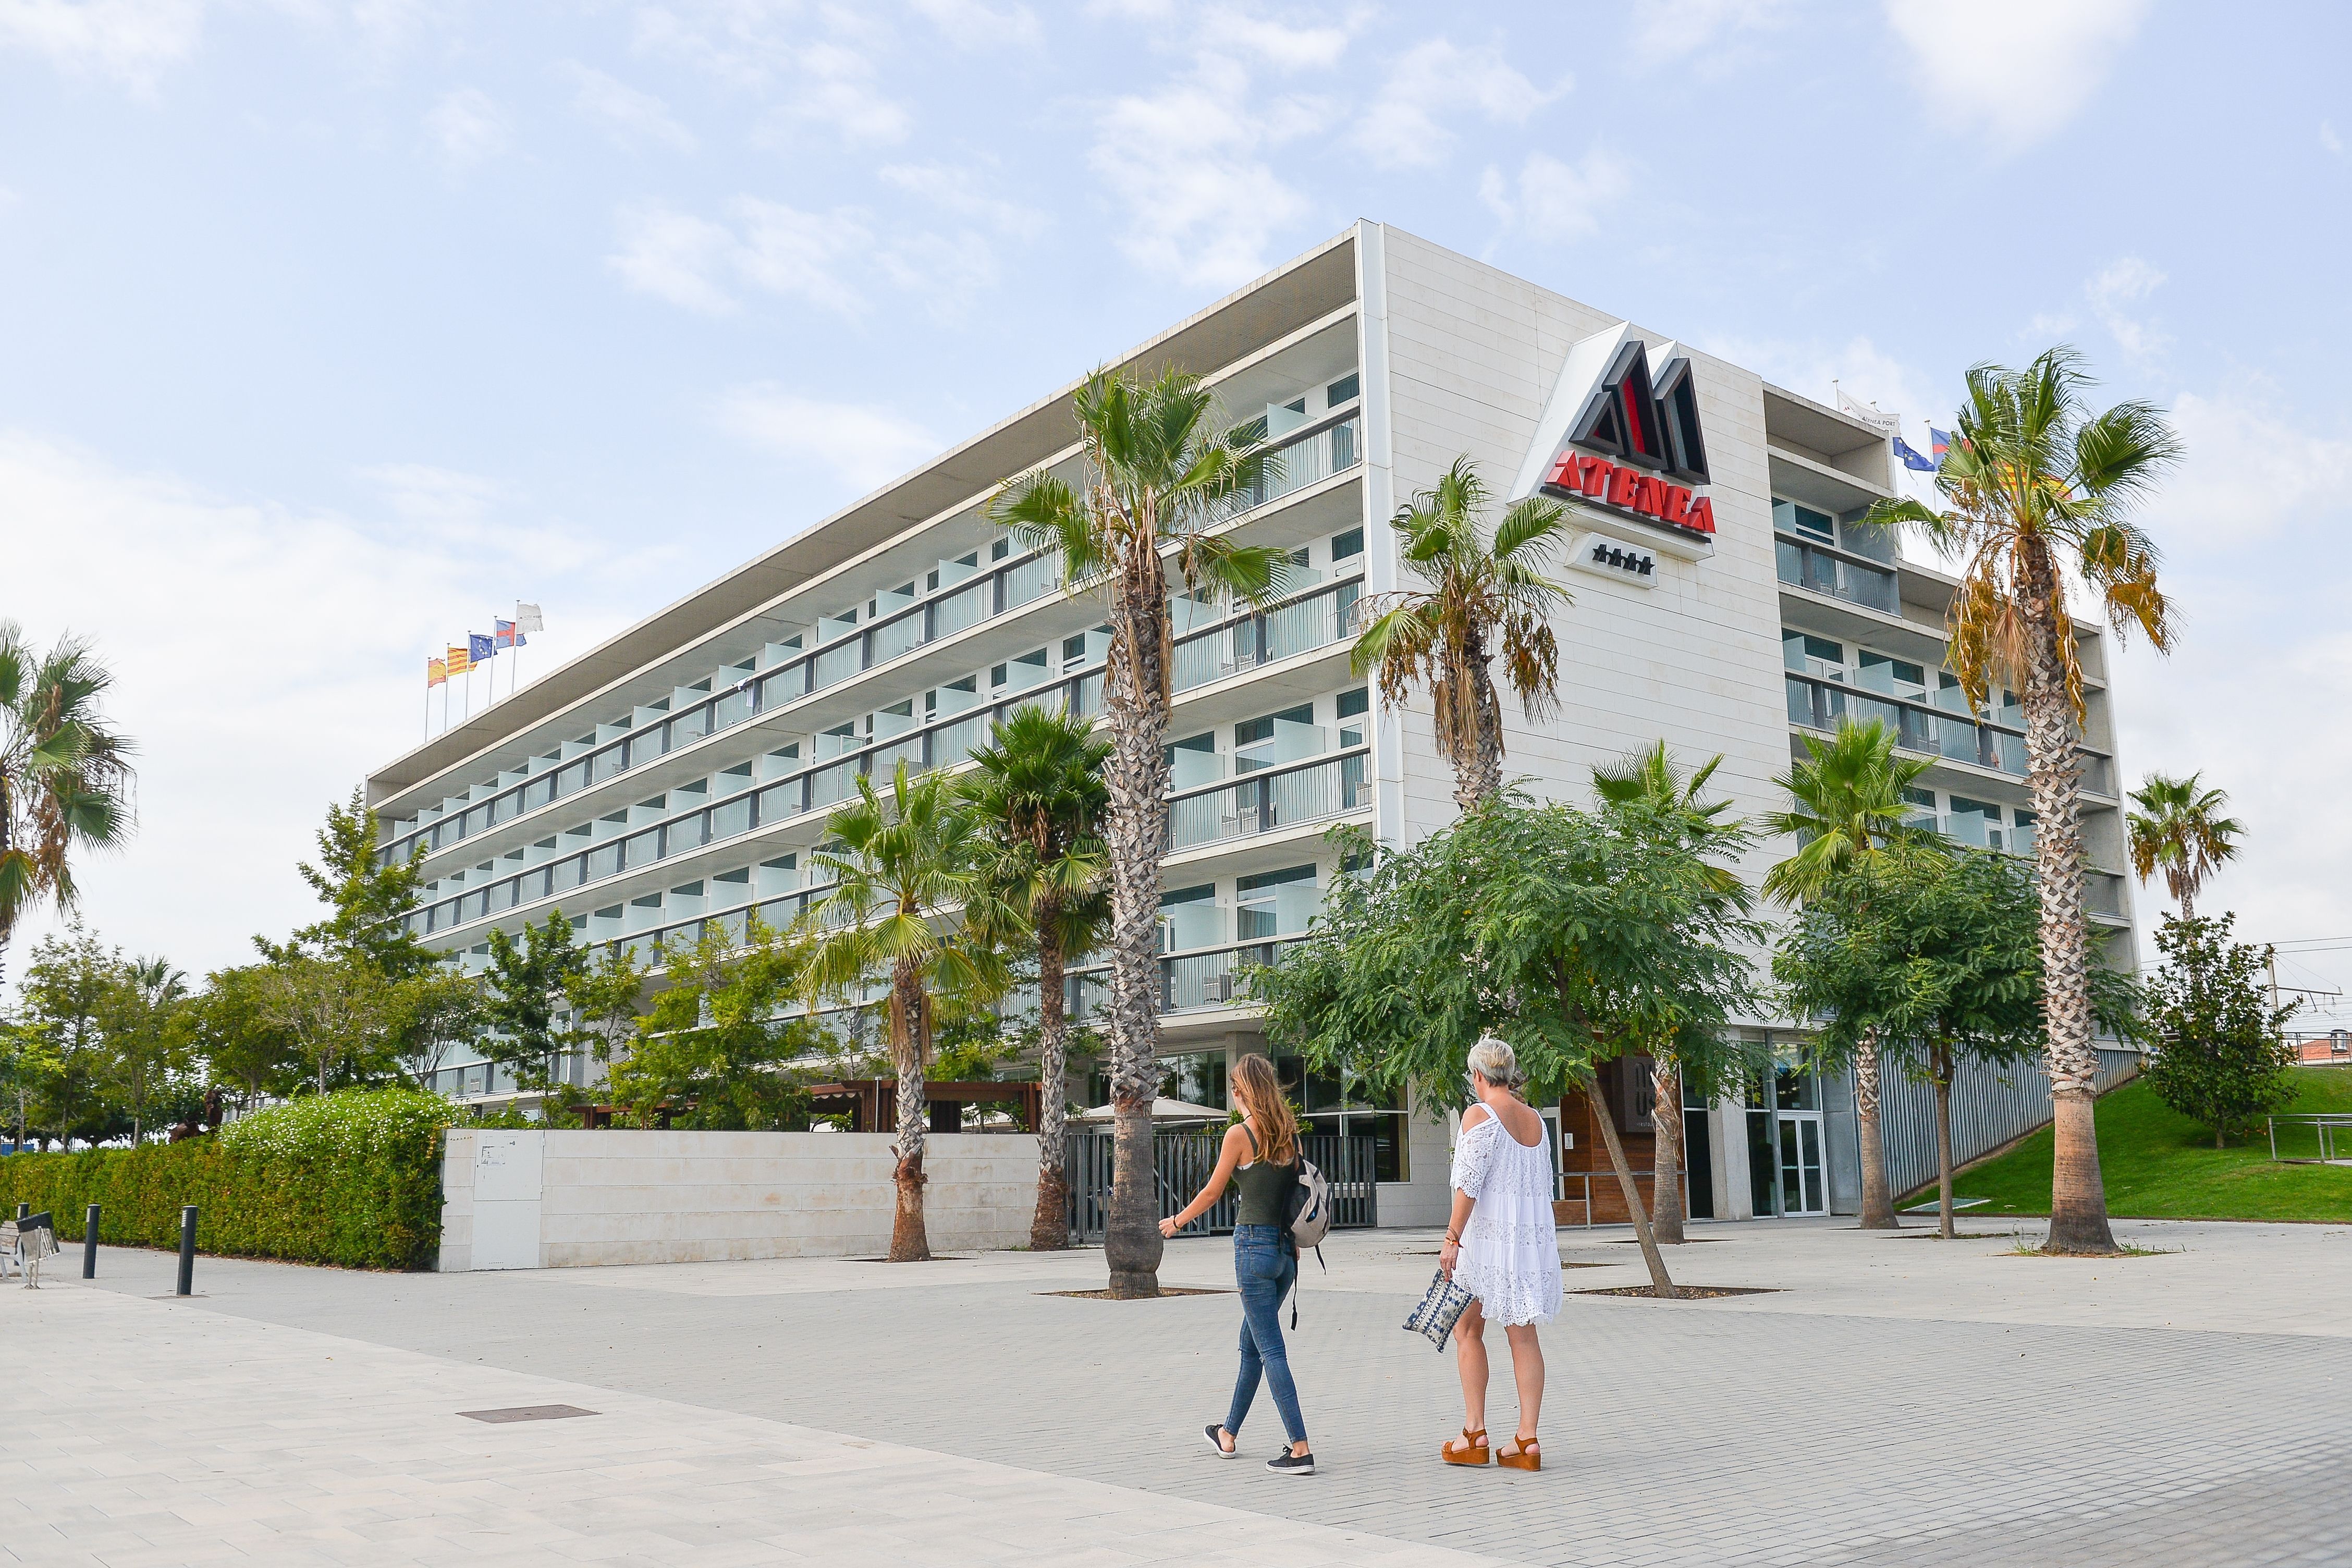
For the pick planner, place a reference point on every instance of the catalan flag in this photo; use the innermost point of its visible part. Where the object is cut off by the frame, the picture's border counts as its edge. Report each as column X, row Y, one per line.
column 460, row 660
column 437, row 672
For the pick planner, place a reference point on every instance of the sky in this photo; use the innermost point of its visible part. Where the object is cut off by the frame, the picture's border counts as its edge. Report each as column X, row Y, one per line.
column 330, row 329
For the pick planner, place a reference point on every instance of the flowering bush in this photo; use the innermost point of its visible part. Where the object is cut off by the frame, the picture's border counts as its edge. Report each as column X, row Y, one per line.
column 351, row 1178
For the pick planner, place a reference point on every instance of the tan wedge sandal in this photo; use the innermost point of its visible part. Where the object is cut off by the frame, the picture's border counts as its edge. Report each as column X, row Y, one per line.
column 1472, row 1452
column 1523, row 1455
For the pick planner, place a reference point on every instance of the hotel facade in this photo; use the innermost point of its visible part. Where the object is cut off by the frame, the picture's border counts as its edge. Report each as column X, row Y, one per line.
column 1725, row 600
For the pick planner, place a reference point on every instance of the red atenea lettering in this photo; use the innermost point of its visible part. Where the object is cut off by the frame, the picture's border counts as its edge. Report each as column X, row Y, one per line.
column 1623, row 483
column 1563, row 472
column 1596, row 475
column 1649, row 497
column 1702, row 515
column 1677, row 508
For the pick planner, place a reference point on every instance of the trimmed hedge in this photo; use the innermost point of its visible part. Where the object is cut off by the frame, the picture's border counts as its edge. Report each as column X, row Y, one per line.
column 351, row 1178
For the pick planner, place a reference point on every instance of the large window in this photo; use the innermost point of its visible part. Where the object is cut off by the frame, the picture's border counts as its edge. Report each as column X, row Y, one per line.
column 1342, row 1105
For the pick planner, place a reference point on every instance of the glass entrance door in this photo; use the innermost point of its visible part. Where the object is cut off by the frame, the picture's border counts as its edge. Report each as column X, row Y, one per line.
column 1801, row 1164
column 1784, row 1144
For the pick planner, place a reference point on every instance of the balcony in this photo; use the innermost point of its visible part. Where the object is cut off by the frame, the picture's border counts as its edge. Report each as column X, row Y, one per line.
column 1270, row 801
column 1935, row 732
column 1824, row 571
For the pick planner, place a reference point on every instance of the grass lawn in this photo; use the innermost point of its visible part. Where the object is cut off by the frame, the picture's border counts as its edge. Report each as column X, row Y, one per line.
column 2161, row 1165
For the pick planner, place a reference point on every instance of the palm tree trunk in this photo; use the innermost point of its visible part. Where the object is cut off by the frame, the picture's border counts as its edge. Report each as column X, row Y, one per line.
column 1666, row 1162
column 1136, row 777
column 1660, row 1283
column 2078, row 1198
column 1050, row 1230
column 1940, row 1067
column 909, row 1241
column 1877, row 1201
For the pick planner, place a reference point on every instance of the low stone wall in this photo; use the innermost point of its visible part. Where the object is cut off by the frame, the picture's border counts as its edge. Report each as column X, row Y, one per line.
column 568, row 1198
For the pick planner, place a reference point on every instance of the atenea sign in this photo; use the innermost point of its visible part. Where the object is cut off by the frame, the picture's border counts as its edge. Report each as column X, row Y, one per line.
column 1620, row 435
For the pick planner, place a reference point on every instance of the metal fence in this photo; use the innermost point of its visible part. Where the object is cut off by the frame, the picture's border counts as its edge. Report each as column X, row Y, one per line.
column 1182, row 1165
column 2328, row 1136
column 1990, row 1106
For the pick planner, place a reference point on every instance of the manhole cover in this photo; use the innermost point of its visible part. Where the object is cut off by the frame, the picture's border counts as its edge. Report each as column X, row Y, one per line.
column 1689, row 1292
column 526, row 1413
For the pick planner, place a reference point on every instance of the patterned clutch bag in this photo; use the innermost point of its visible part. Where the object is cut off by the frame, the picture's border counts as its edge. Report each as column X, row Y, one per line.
column 1441, row 1308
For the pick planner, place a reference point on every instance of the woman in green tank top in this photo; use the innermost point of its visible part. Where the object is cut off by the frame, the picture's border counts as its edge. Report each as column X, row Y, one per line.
column 1260, row 1157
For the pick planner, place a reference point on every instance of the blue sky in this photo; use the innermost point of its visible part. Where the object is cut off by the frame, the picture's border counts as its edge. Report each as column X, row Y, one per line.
column 327, row 330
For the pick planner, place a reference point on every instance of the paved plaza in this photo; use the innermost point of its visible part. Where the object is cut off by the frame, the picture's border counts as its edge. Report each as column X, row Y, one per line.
column 1895, row 1400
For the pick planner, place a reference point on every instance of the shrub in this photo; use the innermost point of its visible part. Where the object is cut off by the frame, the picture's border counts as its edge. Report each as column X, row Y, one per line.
column 351, row 1178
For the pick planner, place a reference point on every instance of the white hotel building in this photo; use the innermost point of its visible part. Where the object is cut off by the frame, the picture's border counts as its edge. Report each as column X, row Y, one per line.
column 682, row 772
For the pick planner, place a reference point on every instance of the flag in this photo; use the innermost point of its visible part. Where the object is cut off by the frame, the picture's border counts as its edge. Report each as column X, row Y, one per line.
column 1939, row 443
column 1866, row 414
column 1911, row 458
column 460, row 661
column 479, row 647
column 437, row 672
column 526, row 619
column 504, row 631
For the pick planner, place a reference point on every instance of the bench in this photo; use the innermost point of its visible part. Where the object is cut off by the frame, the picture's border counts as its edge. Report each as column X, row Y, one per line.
column 24, row 1243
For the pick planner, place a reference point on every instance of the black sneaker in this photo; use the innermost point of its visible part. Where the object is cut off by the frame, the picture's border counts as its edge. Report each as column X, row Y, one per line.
column 1213, row 1428
column 1289, row 1464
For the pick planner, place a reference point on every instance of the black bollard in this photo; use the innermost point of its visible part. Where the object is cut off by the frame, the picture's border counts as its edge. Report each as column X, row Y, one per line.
column 24, row 1210
column 89, row 1243
column 187, row 1251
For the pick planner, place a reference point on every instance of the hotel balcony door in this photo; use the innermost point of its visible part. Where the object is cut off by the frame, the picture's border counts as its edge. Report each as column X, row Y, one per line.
column 1785, row 1168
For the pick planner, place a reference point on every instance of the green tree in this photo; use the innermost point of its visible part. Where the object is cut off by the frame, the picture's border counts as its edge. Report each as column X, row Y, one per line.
column 371, row 895
column 1647, row 794
column 2221, row 1054
column 1579, row 937
column 433, row 1014
column 1846, row 805
column 71, row 994
column 339, row 1014
column 1037, row 798
column 238, row 1039
column 65, row 773
column 28, row 1064
column 715, row 1051
column 2037, row 490
column 148, row 1034
column 525, row 988
column 1160, row 471
column 607, row 995
column 909, row 905
column 2179, row 829
column 1486, row 597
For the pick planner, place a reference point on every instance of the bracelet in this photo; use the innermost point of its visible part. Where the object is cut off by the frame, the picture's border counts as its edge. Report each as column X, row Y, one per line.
column 1452, row 1239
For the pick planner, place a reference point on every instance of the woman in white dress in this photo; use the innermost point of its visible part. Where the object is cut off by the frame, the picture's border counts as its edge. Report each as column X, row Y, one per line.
column 1501, row 1245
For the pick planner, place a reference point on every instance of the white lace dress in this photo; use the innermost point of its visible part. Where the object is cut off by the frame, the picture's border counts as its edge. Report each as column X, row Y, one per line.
column 1510, row 1250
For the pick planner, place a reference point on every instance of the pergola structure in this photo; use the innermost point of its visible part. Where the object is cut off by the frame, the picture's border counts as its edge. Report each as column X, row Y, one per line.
column 872, row 1104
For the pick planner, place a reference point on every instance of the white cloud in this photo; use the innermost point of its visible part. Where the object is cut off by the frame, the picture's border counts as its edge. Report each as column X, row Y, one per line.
column 861, row 447
column 421, row 494
column 798, row 254
column 816, row 64
column 1226, row 29
column 631, row 117
column 971, row 25
column 958, row 191
column 698, row 263
column 1552, row 200
column 2330, row 139
column 837, row 94
column 2015, row 70
column 674, row 256
column 1435, row 77
column 2046, row 328
column 468, row 126
column 1668, row 30
column 267, row 658
column 2117, row 287
column 2219, row 500
column 947, row 272
column 132, row 42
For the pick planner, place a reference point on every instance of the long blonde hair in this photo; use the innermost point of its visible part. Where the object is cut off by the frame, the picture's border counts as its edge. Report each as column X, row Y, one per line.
column 1259, row 1094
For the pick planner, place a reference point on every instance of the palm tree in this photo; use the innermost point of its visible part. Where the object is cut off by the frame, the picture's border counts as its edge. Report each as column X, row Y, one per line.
column 2036, row 489
column 2180, row 827
column 153, row 990
column 1037, row 798
column 1160, row 472
column 1485, row 596
column 65, row 774
column 1649, row 781
column 1846, row 806
column 907, row 896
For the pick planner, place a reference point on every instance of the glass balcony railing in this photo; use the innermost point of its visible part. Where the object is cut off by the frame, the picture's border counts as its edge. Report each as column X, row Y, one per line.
column 1822, row 570
column 1268, row 802
column 1930, row 730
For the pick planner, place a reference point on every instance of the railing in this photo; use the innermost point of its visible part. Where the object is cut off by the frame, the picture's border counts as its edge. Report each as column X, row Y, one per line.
column 1268, row 801
column 1182, row 1165
column 1819, row 705
column 1821, row 571
column 2325, row 1128
column 1255, row 637
column 952, row 608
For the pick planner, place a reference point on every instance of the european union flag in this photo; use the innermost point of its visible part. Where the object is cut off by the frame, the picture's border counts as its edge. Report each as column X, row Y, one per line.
column 1911, row 458
column 479, row 647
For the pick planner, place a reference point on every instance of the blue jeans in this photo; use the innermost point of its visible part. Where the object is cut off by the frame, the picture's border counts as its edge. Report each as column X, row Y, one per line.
column 1263, row 1270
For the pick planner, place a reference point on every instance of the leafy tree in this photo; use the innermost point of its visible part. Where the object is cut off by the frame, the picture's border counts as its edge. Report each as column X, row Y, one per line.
column 339, row 1014
column 713, row 1051
column 2038, row 490
column 1485, row 596
column 65, row 773
column 1037, row 798
column 1647, row 793
column 2180, row 827
column 1846, row 805
column 2222, row 1056
column 606, row 994
column 909, row 904
column 237, row 1038
column 525, row 990
column 372, row 899
column 148, row 1033
column 70, row 996
column 27, row 1065
column 1160, row 472
column 1578, row 937
column 432, row 1013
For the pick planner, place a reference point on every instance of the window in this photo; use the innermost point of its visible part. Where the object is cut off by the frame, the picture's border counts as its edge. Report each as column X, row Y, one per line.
column 1808, row 655
column 1898, row 678
column 1788, row 517
column 1354, row 704
column 1341, row 1105
column 1345, row 546
column 1187, row 919
column 1275, row 903
column 1342, row 390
